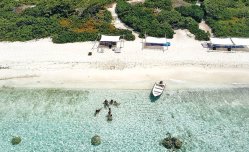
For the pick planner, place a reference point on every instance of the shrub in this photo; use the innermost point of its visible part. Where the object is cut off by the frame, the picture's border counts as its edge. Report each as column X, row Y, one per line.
column 142, row 20
column 218, row 9
column 161, row 4
column 228, row 18
column 69, row 36
column 57, row 19
column 193, row 27
column 172, row 17
column 175, row 19
column 191, row 1
column 193, row 11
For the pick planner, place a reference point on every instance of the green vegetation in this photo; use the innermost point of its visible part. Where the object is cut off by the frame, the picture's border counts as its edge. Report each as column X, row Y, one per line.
column 64, row 21
column 161, row 4
column 155, row 19
column 142, row 20
column 191, row 1
column 228, row 17
column 225, row 17
column 82, row 20
column 193, row 11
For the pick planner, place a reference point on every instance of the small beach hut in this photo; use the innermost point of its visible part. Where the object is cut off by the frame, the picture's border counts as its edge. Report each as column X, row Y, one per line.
column 228, row 43
column 154, row 42
column 221, row 43
column 111, row 42
column 240, row 41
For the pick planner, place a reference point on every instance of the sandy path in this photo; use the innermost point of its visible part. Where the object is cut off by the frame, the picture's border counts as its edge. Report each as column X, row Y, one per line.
column 117, row 22
column 205, row 27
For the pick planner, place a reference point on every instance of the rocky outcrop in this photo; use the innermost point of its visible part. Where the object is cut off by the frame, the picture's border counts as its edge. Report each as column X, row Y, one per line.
column 172, row 142
column 96, row 140
column 16, row 140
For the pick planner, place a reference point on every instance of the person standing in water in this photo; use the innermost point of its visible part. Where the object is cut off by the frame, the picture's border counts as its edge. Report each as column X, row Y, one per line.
column 106, row 104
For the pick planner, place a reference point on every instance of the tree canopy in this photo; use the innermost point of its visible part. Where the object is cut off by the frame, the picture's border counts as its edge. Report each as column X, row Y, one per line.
column 155, row 19
column 228, row 17
column 62, row 20
column 82, row 20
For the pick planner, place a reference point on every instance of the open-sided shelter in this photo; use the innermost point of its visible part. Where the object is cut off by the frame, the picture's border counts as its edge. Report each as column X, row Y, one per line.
column 228, row 43
column 154, row 42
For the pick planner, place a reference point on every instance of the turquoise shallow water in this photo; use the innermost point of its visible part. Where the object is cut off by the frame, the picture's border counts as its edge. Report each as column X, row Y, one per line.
column 62, row 120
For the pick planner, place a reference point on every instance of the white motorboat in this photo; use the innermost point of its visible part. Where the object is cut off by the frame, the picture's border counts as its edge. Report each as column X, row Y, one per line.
column 158, row 89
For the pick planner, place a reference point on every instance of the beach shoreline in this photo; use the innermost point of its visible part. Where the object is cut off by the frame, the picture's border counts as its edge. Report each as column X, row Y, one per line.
column 184, row 64
column 135, row 78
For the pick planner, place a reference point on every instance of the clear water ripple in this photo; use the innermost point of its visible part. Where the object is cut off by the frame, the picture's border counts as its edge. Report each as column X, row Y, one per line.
column 62, row 120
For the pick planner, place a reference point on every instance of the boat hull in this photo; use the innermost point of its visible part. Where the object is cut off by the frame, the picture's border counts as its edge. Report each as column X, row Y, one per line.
column 158, row 89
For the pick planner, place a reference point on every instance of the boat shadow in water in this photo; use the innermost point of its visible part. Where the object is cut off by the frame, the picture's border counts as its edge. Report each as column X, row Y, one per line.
column 153, row 98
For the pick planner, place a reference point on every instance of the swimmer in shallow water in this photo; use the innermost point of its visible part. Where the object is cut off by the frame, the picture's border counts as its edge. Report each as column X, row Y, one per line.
column 115, row 103
column 97, row 112
column 111, row 102
column 109, row 117
column 106, row 104
column 110, row 111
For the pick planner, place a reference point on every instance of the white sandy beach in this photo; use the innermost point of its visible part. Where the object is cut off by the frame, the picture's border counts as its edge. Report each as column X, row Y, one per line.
column 186, row 63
